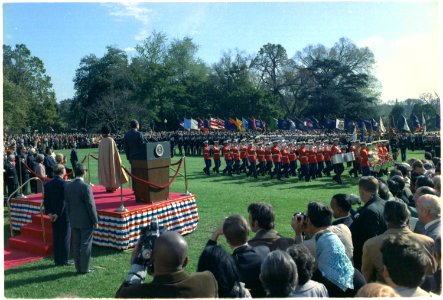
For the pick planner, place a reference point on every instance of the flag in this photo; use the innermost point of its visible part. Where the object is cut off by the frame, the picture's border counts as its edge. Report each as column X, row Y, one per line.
column 328, row 123
column 206, row 123
column 291, row 125
column 272, row 123
column 216, row 124
column 339, row 124
column 258, row 124
column 392, row 122
column 307, row 123
column 349, row 124
column 374, row 125
column 423, row 123
column 244, row 123
column 368, row 125
column 194, row 124
column 253, row 124
column 381, row 127
column 404, row 124
column 315, row 124
column 181, row 124
column 299, row 124
column 187, row 123
column 415, row 123
column 200, row 123
column 354, row 134
column 238, row 124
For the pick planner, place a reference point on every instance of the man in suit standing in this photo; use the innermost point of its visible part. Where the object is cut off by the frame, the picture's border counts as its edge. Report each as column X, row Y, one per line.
column 341, row 208
column 74, row 156
column 133, row 143
column 396, row 215
column 369, row 220
column 429, row 213
column 54, row 202
column 261, row 220
column 83, row 217
column 49, row 163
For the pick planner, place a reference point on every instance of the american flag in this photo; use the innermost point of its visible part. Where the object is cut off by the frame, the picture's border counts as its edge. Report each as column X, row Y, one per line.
column 217, row 124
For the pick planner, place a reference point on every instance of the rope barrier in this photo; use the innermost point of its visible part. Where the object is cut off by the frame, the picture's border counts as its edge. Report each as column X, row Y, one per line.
column 35, row 174
column 153, row 184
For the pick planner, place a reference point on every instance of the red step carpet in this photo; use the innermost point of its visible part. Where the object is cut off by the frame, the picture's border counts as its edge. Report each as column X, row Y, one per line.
column 15, row 257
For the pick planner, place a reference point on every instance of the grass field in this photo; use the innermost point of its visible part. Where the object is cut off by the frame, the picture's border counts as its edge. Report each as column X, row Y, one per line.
column 217, row 197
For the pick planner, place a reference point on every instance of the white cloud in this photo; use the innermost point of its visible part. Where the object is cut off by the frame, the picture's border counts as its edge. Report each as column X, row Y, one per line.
column 129, row 49
column 131, row 10
column 407, row 66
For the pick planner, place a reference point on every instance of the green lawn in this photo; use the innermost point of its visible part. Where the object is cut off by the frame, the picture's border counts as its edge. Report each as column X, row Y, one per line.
column 217, row 197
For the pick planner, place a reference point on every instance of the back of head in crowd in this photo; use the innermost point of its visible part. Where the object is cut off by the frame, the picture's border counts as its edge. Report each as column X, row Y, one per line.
column 79, row 170
column 235, row 230
column 396, row 213
column 383, row 190
column 368, row 184
column 304, row 260
column 278, row 274
column 341, row 203
column 59, row 170
column 221, row 264
column 405, row 266
column 423, row 181
column 170, row 253
column 396, row 184
column 319, row 214
column 376, row 290
column 261, row 214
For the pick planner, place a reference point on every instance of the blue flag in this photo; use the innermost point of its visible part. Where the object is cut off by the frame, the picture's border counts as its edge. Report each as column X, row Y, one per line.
column 415, row 122
column 315, row 123
column 374, row 125
column 349, row 124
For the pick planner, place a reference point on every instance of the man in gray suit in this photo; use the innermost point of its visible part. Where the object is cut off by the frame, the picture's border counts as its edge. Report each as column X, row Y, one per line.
column 83, row 217
column 429, row 212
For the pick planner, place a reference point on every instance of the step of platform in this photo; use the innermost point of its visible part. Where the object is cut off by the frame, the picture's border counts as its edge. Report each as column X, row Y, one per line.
column 30, row 244
column 36, row 219
column 36, row 231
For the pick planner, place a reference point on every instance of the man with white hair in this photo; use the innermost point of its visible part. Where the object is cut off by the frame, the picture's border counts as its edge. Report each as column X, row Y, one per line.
column 429, row 212
column 437, row 183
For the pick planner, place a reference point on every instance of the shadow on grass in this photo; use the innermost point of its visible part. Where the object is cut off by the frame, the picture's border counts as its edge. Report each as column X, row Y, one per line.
column 40, row 279
column 22, row 269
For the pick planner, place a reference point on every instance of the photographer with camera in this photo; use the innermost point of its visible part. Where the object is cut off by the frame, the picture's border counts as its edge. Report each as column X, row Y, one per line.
column 165, row 263
column 317, row 219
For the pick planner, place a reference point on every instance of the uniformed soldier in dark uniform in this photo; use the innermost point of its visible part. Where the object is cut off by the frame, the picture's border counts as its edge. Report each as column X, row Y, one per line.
column 11, row 174
column 393, row 145
column 403, row 144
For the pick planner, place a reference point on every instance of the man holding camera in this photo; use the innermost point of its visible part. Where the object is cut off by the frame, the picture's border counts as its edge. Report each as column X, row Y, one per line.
column 166, row 264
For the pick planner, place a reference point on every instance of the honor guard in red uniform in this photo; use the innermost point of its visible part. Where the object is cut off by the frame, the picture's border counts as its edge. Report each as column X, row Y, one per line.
column 261, row 159
column 292, row 159
column 268, row 158
column 355, row 163
column 228, row 158
column 216, row 155
column 252, row 157
column 320, row 160
column 244, row 156
column 338, row 168
column 207, row 157
column 276, row 159
column 312, row 158
column 285, row 160
column 304, row 162
column 386, row 156
column 364, row 160
column 236, row 157
column 328, row 162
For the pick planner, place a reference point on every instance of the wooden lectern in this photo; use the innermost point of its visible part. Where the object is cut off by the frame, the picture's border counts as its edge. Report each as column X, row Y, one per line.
column 155, row 169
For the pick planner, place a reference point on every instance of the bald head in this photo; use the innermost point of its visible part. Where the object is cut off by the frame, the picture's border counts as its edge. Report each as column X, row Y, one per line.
column 424, row 190
column 428, row 208
column 170, row 253
column 437, row 183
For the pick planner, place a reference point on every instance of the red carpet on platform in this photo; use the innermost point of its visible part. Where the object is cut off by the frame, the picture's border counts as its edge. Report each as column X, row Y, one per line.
column 15, row 257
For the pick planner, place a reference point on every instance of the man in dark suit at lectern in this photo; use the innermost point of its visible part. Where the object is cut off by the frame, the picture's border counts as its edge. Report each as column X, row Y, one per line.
column 133, row 143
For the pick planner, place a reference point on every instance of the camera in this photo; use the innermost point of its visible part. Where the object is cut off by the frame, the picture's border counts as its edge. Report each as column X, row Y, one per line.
column 300, row 216
column 141, row 263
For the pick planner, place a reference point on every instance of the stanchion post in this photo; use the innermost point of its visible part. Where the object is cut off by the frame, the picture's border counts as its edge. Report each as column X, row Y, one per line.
column 122, row 208
column 89, row 170
column 20, row 194
column 186, row 177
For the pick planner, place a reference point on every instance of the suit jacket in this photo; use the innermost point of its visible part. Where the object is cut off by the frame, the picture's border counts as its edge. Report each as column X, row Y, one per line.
column 368, row 222
column 434, row 230
column 346, row 220
column 265, row 238
column 372, row 263
column 134, row 144
column 54, row 199
column 175, row 285
column 80, row 204
column 73, row 157
column 49, row 164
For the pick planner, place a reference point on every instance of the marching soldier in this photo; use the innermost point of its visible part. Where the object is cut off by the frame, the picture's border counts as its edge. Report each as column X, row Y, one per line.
column 328, row 163
column 354, row 170
column 338, row 168
column 252, row 157
column 276, row 158
column 312, row 159
column 244, row 156
column 236, row 156
column 228, row 158
column 292, row 159
column 304, row 162
column 320, row 159
column 403, row 144
column 364, row 160
column 285, row 160
column 261, row 159
column 268, row 158
column 207, row 158
column 216, row 155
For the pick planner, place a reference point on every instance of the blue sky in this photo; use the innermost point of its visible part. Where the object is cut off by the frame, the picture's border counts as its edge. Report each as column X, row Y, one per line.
column 404, row 36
